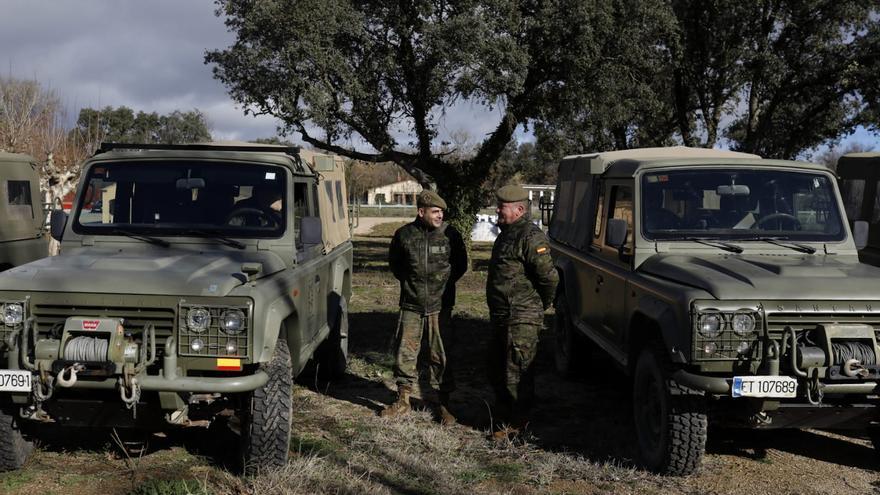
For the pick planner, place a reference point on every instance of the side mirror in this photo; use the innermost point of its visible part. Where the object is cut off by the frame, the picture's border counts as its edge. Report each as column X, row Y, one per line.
column 310, row 231
column 546, row 207
column 57, row 223
column 860, row 234
column 615, row 232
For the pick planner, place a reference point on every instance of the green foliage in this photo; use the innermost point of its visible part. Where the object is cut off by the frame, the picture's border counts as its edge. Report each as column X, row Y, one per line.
column 773, row 78
column 122, row 125
column 385, row 72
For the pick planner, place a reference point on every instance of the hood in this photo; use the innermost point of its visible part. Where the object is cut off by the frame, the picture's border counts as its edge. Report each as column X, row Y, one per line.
column 171, row 271
column 769, row 277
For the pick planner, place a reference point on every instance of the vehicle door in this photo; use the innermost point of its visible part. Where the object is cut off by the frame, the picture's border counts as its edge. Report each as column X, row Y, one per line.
column 587, row 306
column 615, row 264
column 308, row 265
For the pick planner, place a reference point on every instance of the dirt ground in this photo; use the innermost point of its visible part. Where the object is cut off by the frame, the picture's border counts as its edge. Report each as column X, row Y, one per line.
column 582, row 439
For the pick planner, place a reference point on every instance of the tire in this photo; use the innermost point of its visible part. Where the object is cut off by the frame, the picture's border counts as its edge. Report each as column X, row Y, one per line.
column 570, row 350
column 266, row 415
column 670, row 419
column 14, row 449
column 333, row 353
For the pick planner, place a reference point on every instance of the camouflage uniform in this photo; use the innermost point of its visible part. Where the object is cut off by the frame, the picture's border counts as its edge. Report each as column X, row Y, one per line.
column 521, row 286
column 427, row 262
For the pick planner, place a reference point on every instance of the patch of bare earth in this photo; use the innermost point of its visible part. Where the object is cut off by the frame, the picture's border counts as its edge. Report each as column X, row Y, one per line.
column 581, row 439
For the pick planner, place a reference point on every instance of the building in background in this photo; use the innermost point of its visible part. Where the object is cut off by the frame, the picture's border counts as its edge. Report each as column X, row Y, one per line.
column 397, row 193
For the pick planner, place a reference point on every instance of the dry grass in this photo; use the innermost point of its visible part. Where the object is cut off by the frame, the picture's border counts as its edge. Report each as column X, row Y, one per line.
column 581, row 442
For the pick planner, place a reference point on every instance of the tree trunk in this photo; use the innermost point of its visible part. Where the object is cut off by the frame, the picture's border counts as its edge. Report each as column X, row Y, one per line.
column 463, row 201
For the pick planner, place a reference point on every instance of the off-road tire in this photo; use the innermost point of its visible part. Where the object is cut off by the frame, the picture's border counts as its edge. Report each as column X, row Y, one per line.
column 570, row 351
column 266, row 415
column 14, row 449
column 670, row 419
column 332, row 354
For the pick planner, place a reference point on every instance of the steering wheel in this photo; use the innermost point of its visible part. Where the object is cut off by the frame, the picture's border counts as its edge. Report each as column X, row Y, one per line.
column 262, row 217
column 780, row 216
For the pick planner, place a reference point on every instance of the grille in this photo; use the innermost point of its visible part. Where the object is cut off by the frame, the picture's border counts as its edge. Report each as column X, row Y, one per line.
column 47, row 316
column 214, row 341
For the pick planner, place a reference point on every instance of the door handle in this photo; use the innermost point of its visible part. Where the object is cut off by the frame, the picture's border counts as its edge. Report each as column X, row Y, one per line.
column 600, row 280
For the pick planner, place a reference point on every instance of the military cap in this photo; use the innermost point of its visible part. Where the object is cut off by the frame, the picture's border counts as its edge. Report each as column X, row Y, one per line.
column 428, row 199
column 512, row 193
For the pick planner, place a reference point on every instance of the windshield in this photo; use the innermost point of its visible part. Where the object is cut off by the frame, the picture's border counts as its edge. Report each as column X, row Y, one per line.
column 740, row 204
column 183, row 198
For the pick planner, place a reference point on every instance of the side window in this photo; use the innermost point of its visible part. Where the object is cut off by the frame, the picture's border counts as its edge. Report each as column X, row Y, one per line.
column 18, row 195
column 339, row 199
column 300, row 209
column 620, row 206
column 328, row 188
column 600, row 216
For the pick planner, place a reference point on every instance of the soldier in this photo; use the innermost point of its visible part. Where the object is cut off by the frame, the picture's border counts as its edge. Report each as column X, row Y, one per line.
column 521, row 286
column 428, row 257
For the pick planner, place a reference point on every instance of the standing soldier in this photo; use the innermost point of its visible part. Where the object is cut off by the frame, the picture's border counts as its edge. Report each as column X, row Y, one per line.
column 521, row 286
column 428, row 257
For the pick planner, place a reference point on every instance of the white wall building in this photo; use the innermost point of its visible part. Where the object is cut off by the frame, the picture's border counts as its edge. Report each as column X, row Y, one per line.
column 396, row 193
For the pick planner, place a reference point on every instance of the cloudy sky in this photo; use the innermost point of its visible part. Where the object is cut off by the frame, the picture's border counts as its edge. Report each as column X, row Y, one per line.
column 148, row 55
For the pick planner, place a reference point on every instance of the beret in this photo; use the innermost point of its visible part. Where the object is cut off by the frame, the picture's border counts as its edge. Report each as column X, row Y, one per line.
column 511, row 194
column 429, row 199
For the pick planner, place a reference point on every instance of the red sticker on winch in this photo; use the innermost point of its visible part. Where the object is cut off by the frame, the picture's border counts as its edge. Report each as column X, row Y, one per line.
column 91, row 324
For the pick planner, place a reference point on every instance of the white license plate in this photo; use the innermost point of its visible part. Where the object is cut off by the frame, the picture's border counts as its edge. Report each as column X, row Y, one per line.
column 15, row 381
column 764, row 386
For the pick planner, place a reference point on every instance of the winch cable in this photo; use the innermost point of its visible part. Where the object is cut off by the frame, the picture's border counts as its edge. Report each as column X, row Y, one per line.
column 86, row 349
column 847, row 350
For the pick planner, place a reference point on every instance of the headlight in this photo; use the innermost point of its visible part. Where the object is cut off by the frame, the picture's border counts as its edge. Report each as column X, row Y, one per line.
column 743, row 324
column 198, row 319
column 232, row 321
column 710, row 324
column 13, row 314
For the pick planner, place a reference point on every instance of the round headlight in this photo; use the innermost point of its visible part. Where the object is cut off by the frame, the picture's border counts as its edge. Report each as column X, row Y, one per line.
column 232, row 321
column 743, row 324
column 198, row 319
column 710, row 324
column 13, row 314
column 197, row 345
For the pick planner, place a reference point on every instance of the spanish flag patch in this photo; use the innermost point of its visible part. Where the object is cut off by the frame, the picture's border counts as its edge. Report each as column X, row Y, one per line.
column 541, row 250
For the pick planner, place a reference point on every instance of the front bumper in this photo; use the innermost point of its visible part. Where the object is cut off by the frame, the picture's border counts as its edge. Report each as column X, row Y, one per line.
column 721, row 386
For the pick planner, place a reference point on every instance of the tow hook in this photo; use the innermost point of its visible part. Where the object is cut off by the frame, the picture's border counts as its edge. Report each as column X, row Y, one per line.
column 760, row 419
column 72, row 371
column 854, row 368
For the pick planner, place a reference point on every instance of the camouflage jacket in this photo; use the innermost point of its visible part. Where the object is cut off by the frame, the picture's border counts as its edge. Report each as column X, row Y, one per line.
column 427, row 263
column 522, row 279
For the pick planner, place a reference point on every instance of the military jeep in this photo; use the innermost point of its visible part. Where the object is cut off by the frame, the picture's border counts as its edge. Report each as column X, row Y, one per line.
column 22, row 232
column 201, row 284
column 727, row 286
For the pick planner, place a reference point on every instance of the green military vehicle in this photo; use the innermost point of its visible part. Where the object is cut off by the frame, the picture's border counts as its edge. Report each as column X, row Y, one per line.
column 198, row 288
column 727, row 286
column 22, row 229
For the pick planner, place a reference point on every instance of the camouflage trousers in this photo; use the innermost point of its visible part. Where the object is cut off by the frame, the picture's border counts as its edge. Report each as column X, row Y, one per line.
column 511, row 361
column 435, row 332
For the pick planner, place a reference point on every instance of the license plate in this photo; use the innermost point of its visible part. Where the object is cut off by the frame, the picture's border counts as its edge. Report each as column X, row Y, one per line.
column 764, row 386
column 15, row 381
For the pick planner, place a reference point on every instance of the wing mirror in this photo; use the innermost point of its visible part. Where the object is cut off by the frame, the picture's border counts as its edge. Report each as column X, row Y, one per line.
column 57, row 223
column 615, row 232
column 860, row 234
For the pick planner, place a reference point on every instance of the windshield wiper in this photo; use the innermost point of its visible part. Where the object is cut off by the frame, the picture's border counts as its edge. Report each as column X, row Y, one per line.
column 141, row 237
column 211, row 234
column 802, row 248
column 715, row 243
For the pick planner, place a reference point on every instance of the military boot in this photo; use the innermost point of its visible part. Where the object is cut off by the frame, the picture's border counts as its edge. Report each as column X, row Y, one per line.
column 401, row 406
column 446, row 417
